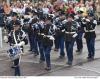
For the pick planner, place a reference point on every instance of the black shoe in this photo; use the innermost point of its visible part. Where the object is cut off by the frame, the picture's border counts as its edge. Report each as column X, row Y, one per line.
column 61, row 57
column 56, row 50
column 69, row 63
column 48, row 68
column 90, row 58
column 36, row 54
column 12, row 67
column 41, row 61
column 30, row 50
column 77, row 50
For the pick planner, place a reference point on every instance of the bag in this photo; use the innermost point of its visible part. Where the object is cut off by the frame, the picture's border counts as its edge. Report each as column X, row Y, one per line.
column 15, row 51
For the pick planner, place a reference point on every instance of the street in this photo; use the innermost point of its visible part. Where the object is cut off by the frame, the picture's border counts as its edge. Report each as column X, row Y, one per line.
column 30, row 65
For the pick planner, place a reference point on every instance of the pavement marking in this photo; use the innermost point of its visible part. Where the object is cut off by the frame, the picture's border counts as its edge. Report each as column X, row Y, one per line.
column 60, row 67
column 66, row 66
column 79, row 67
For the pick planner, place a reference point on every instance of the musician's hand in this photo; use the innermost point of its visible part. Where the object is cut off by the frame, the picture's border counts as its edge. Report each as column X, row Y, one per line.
column 21, row 43
column 87, row 20
column 63, row 30
column 42, row 34
column 51, row 37
column 95, row 22
column 6, row 39
column 15, row 45
column 74, row 36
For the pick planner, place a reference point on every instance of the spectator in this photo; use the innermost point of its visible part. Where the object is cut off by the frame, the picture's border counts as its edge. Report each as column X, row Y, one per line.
column 70, row 10
column 7, row 8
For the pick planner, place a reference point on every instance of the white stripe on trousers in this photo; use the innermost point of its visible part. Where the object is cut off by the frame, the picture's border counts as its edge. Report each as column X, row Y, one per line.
column 0, row 37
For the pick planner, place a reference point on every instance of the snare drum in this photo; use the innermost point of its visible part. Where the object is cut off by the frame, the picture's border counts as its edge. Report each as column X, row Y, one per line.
column 14, row 52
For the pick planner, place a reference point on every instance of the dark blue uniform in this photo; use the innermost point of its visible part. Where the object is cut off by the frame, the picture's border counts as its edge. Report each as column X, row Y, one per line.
column 40, row 43
column 1, row 9
column 70, row 34
column 80, row 31
column 20, row 37
column 55, row 21
column 59, row 37
column 47, row 41
column 35, row 27
column 90, row 36
column 11, row 22
column 30, row 35
column 2, row 24
column 28, row 11
column 40, row 13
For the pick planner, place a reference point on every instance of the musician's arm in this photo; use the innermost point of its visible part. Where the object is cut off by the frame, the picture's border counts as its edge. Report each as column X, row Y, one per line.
column 24, row 40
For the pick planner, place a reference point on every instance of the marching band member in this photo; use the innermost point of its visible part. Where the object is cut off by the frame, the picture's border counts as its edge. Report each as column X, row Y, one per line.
column 56, row 22
column 10, row 24
column 90, row 35
column 70, row 35
column 35, row 28
column 30, row 34
column 59, row 35
column 79, row 32
column 17, row 37
column 40, row 11
column 47, row 41
column 40, row 43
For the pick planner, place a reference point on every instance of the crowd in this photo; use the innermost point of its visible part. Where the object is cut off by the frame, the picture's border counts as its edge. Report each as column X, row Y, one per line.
column 60, row 24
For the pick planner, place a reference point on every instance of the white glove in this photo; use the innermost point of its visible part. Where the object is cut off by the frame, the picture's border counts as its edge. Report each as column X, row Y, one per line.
column 95, row 22
column 87, row 20
column 83, row 18
column 76, row 17
column 54, row 27
column 20, row 44
column 84, row 22
column 5, row 39
column 64, row 21
column 42, row 34
column 74, row 35
column 51, row 37
column 16, row 45
column 63, row 30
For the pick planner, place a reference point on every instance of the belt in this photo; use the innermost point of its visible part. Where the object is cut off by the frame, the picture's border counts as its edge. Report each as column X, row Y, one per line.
column 44, row 35
column 50, row 37
column 89, row 30
column 47, row 36
column 70, row 32
column 40, row 33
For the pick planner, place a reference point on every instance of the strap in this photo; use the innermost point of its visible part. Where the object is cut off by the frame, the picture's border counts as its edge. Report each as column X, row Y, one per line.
column 16, row 41
column 15, row 38
column 70, row 32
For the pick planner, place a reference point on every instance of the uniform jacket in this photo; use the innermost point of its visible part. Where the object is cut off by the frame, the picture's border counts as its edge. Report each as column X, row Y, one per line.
column 19, row 35
column 70, row 27
column 90, row 26
column 48, row 30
